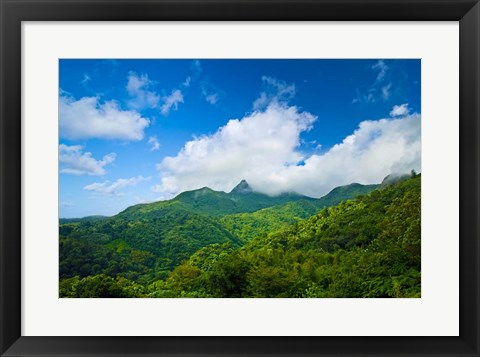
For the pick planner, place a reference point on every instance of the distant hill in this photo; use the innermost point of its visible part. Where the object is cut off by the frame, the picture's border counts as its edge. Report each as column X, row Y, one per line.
column 83, row 219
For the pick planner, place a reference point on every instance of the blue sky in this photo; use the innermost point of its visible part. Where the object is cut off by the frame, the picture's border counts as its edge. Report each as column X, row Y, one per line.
column 134, row 131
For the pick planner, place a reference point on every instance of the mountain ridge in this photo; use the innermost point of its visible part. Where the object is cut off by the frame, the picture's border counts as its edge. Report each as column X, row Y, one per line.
column 243, row 191
column 235, row 199
column 241, row 199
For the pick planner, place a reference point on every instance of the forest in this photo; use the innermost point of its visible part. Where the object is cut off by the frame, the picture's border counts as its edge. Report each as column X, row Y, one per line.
column 358, row 241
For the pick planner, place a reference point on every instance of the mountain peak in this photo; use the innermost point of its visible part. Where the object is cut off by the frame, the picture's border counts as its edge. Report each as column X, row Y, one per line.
column 242, row 187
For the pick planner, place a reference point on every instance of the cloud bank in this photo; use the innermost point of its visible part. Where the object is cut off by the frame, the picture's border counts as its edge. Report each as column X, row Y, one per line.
column 264, row 148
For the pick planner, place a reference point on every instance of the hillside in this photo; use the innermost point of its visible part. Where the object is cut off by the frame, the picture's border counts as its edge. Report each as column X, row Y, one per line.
column 364, row 247
column 134, row 246
column 147, row 241
column 247, row 226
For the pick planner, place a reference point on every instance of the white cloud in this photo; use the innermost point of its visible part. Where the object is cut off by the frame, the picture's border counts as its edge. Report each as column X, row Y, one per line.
column 153, row 142
column 86, row 118
column 376, row 149
column 400, row 110
column 382, row 70
column 67, row 204
column 85, row 80
column 365, row 98
column 196, row 68
column 212, row 98
column 263, row 148
column 187, row 82
column 114, row 189
column 275, row 91
column 141, row 96
column 210, row 92
column 379, row 90
column 254, row 145
column 171, row 102
column 74, row 161
column 386, row 91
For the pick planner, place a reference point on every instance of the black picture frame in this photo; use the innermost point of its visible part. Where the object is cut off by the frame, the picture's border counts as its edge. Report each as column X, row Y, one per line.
column 13, row 12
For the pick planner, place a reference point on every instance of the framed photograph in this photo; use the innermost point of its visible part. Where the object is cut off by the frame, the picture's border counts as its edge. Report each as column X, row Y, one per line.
column 239, row 178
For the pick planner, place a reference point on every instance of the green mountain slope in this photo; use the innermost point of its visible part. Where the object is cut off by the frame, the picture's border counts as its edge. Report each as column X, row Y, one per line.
column 342, row 193
column 186, row 247
column 133, row 246
column 151, row 239
column 148, row 240
column 247, row 226
column 366, row 247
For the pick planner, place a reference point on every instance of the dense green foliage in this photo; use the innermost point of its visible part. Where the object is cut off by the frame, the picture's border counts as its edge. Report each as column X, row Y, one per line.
column 247, row 226
column 137, row 248
column 365, row 247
